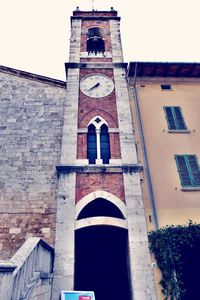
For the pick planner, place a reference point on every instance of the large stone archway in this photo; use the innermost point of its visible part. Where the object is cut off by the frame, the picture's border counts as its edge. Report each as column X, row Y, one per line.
column 101, row 247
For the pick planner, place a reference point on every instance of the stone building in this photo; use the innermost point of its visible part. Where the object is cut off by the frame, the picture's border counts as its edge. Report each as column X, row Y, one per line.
column 79, row 165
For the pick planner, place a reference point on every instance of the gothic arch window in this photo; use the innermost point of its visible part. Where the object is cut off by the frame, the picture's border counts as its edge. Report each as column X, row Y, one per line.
column 95, row 42
column 92, row 144
column 98, row 142
column 104, row 144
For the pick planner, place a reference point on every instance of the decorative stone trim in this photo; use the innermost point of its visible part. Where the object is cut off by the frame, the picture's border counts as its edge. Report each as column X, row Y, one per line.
column 99, row 161
column 83, row 161
column 113, row 130
column 105, row 54
column 82, row 130
column 107, row 65
column 115, row 161
column 110, row 130
column 101, row 221
column 103, row 18
column 99, row 168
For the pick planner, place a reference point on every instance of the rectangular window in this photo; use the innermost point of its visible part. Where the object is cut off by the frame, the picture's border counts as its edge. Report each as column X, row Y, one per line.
column 188, row 168
column 165, row 86
column 174, row 118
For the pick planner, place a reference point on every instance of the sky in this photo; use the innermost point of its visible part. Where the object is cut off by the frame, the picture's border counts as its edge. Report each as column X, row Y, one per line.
column 34, row 34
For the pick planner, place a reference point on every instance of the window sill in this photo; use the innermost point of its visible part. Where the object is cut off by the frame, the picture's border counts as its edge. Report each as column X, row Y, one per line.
column 190, row 189
column 106, row 54
column 178, row 131
column 166, row 90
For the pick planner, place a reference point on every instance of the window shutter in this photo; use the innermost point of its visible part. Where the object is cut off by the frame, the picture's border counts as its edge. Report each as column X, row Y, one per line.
column 105, row 144
column 183, row 170
column 179, row 118
column 91, row 144
column 170, row 118
column 194, row 169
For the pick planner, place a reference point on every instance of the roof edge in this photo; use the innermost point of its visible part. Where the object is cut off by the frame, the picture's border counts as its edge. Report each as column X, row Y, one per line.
column 164, row 69
column 32, row 76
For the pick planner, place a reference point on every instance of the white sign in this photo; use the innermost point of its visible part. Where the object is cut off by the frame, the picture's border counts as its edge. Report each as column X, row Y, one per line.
column 77, row 295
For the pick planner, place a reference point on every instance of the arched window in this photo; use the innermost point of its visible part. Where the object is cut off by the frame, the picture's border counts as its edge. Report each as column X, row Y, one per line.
column 95, row 42
column 92, row 144
column 98, row 143
column 104, row 144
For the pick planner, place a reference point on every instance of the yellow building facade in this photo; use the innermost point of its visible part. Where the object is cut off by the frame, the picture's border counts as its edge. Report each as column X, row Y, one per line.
column 165, row 102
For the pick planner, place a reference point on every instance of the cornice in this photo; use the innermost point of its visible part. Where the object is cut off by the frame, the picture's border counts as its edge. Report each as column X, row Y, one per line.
column 31, row 76
column 123, row 168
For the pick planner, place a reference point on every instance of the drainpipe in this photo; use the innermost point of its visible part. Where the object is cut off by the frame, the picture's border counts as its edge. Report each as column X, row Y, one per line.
column 152, row 199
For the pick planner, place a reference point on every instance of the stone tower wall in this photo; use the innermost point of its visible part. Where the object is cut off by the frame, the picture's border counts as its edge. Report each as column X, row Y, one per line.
column 30, row 141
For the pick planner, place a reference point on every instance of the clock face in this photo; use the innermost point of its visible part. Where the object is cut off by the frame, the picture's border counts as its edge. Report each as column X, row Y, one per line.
column 96, row 85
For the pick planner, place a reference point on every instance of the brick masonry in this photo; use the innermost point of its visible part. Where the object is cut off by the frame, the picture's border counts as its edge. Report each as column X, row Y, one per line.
column 30, row 141
column 87, row 183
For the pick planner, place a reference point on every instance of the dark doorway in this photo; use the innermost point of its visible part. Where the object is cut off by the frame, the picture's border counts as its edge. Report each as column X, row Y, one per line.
column 101, row 262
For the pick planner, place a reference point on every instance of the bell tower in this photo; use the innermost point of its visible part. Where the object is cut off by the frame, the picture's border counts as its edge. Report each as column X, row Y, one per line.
column 101, row 235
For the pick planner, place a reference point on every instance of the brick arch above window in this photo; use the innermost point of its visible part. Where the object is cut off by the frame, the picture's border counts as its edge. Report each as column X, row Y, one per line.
column 95, row 31
column 98, row 121
column 103, row 30
column 93, row 113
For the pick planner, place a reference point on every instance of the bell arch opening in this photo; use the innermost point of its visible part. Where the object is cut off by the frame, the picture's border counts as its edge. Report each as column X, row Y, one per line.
column 102, row 262
column 95, row 42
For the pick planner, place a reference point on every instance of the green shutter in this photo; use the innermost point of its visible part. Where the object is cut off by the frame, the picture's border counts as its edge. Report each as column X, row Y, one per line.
column 174, row 118
column 180, row 124
column 194, row 168
column 170, row 118
column 188, row 169
column 183, row 170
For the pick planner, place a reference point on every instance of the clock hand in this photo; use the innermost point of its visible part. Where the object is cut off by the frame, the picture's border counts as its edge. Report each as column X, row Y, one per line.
column 93, row 87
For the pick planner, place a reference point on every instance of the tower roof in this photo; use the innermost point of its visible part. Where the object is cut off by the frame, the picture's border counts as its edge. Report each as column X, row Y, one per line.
column 110, row 14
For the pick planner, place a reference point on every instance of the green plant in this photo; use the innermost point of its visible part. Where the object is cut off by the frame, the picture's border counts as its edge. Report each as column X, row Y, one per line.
column 167, row 244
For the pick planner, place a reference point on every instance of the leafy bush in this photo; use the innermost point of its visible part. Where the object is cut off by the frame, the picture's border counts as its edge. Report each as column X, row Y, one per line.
column 168, row 244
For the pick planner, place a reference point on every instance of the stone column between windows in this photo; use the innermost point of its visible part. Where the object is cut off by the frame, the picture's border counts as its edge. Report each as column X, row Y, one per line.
column 98, row 160
column 65, row 234
column 141, row 275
